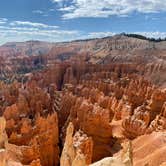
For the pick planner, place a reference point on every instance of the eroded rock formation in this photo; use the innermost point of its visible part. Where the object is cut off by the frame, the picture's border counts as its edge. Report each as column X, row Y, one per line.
column 82, row 107
column 123, row 159
column 78, row 148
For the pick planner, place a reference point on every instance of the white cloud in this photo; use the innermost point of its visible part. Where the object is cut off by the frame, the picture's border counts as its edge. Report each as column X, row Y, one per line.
column 155, row 34
column 105, row 8
column 33, row 24
column 44, row 35
column 60, row 2
column 3, row 20
column 67, row 9
column 100, row 34
column 57, row 0
column 19, row 28
column 25, row 30
column 37, row 11
column 51, row 10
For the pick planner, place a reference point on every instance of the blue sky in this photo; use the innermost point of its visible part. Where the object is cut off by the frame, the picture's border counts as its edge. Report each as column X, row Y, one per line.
column 63, row 20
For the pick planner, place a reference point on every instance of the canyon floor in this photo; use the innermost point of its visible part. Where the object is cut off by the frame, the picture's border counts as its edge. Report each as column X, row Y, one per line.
column 99, row 102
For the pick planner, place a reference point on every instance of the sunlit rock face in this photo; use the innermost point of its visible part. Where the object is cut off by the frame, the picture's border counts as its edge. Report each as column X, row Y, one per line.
column 86, row 121
column 146, row 118
column 152, row 146
column 85, row 108
column 32, row 127
column 32, row 151
column 77, row 149
column 3, row 142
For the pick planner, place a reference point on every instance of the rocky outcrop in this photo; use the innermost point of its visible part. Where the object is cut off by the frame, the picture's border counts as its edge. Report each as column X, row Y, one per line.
column 33, row 153
column 149, row 149
column 69, row 76
column 3, row 135
column 3, row 157
column 32, row 127
column 146, row 118
column 88, row 118
column 3, row 142
column 137, row 124
column 123, row 159
column 77, row 149
column 159, row 123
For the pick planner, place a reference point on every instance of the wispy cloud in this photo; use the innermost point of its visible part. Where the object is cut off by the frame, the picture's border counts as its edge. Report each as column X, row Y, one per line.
column 26, row 30
column 37, row 11
column 100, row 34
column 57, row 0
column 28, row 23
column 44, row 13
column 155, row 34
column 3, row 20
column 105, row 8
column 51, row 10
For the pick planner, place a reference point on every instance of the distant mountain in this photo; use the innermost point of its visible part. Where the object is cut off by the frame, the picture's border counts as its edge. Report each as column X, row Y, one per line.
column 121, row 48
column 29, row 48
column 150, row 56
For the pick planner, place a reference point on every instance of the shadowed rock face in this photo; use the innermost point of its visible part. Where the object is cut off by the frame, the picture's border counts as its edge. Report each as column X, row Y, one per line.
column 78, row 111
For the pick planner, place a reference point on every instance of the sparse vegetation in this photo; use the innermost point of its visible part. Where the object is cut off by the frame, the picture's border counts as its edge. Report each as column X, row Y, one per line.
column 144, row 38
